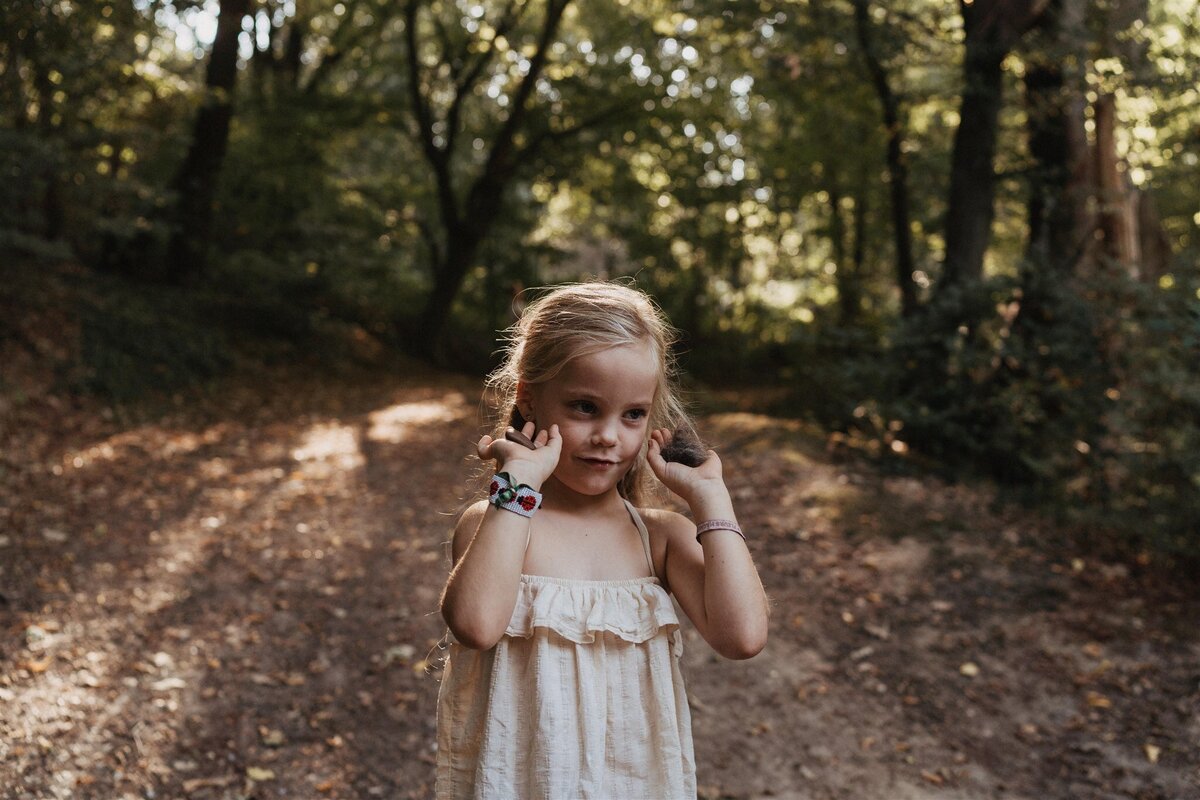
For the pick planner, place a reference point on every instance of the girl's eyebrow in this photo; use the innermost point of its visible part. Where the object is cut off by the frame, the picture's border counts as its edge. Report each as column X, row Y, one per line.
column 588, row 394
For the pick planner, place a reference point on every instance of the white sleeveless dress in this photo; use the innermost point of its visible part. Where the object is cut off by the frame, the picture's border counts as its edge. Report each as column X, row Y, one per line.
column 583, row 697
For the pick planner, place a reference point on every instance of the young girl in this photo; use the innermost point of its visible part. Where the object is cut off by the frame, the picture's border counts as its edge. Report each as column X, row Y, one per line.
column 563, row 676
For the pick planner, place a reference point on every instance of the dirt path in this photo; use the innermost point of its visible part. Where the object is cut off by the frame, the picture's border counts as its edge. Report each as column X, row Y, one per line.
column 238, row 599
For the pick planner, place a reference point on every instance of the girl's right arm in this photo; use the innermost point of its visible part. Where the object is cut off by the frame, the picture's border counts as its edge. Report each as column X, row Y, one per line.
column 489, row 546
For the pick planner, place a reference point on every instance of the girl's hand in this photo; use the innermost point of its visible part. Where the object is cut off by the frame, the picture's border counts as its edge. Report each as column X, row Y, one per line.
column 690, row 483
column 526, row 466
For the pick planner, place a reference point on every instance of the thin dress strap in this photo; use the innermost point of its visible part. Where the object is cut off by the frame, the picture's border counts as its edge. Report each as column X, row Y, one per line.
column 641, row 526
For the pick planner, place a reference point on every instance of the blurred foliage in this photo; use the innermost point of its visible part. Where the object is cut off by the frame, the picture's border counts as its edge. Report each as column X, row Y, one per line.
column 133, row 344
column 1005, row 374
column 1150, row 456
column 728, row 156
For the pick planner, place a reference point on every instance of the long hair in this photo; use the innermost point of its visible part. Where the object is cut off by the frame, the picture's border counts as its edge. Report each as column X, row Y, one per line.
column 576, row 320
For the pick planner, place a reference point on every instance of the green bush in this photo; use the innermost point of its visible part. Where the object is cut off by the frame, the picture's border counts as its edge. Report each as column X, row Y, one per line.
column 133, row 342
column 1151, row 455
column 1005, row 377
column 1080, row 392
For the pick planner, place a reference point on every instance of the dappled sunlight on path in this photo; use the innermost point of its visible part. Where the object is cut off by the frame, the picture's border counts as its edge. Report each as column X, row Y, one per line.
column 241, row 600
column 226, row 600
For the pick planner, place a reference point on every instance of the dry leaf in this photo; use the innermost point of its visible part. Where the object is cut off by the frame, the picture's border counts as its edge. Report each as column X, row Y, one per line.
column 970, row 669
column 1097, row 700
column 259, row 774
column 878, row 631
column 272, row 737
column 195, row 784
column 1152, row 752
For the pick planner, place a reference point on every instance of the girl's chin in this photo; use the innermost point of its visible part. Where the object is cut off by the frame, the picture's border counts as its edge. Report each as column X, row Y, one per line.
column 589, row 485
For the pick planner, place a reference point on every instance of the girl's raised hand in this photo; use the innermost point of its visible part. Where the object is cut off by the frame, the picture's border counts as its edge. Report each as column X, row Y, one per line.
column 681, row 479
column 527, row 466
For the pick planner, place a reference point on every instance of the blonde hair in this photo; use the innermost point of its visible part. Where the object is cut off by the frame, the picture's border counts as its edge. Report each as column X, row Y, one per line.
column 576, row 320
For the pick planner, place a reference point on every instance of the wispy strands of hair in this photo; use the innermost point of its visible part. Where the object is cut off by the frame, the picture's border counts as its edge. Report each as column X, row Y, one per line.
column 577, row 320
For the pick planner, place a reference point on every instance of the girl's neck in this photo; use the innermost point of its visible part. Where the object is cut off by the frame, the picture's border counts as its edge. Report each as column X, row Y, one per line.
column 559, row 498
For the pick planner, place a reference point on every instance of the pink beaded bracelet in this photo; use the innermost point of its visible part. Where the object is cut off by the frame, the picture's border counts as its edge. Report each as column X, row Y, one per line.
column 719, row 525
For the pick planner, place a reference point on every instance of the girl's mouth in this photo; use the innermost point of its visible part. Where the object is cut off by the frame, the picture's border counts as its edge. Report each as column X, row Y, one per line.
column 599, row 463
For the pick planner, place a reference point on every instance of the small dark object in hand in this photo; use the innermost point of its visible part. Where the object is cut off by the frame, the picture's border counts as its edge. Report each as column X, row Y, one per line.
column 514, row 435
column 685, row 449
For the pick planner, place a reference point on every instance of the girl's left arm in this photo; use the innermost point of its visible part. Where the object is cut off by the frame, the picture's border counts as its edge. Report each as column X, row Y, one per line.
column 714, row 579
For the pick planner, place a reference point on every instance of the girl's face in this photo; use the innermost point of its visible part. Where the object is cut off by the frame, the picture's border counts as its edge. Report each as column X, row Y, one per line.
column 601, row 403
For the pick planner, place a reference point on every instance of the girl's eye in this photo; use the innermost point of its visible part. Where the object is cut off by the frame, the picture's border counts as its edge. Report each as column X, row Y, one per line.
column 636, row 413
column 584, row 406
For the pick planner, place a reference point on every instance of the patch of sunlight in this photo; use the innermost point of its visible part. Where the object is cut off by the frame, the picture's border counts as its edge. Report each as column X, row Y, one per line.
column 331, row 442
column 394, row 423
column 744, row 422
column 831, row 488
column 157, row 442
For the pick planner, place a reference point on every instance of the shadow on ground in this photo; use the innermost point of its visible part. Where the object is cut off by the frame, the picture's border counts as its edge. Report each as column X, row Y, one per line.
column 238, row 599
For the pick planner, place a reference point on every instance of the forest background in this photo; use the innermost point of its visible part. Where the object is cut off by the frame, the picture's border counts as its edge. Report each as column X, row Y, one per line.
column 957, row 236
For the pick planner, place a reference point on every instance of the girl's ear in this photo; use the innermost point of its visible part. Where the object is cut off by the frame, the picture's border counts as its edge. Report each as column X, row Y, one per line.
column 524, row 404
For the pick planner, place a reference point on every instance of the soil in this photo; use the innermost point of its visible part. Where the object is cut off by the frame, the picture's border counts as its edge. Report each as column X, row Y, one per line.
column 235, row 596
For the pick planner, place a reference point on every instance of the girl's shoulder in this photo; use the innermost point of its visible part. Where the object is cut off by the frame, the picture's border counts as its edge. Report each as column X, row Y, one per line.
column 465, row 528
column 664, row 525
column 470, row 517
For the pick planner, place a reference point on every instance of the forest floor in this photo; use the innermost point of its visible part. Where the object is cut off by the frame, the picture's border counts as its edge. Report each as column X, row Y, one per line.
column 235, row 596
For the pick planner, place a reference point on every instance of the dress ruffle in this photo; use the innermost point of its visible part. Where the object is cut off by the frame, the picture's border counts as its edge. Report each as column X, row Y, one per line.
column 634, row 610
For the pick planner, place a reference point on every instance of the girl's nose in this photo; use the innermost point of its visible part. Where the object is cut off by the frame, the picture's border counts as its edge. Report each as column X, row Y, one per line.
column 605, row 434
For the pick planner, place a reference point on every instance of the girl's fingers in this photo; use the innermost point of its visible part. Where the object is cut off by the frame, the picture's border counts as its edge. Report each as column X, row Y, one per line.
column 484, row 446
column 654, row 456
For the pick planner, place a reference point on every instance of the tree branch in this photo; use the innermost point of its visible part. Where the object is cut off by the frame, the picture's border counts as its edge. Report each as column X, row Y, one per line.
column 438, row 157
column 529, row 151
column 464, row 84
column 500, row 160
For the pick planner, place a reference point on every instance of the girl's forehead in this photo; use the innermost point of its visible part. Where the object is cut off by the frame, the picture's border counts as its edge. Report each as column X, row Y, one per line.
column 632, row 368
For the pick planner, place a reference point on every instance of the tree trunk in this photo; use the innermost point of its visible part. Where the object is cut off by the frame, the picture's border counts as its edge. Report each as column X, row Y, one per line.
column 196, row 182
column 972, row 179
column 849, row 297
column 992, row 28
column 1118, row 218
column 859, row 248
column 53, row 214
column 428, row 341
column 1060, row 223
column 466, row 220
column 897, row 165
column 1152, row 239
